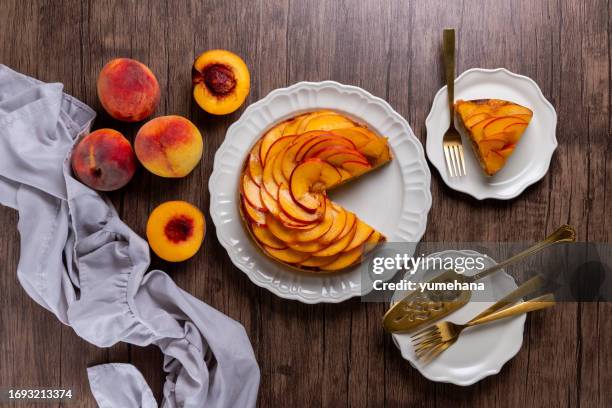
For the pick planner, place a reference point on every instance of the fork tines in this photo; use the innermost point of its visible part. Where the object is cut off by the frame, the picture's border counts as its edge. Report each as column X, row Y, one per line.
column 453, row 152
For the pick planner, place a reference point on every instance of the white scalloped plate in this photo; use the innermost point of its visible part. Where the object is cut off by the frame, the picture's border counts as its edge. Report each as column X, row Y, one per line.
column 394, row 199
column 480, row 351
column 531, row 158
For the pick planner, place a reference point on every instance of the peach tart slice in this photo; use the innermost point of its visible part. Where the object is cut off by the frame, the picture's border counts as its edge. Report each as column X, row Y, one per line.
column 494, row 126
column 284, row 184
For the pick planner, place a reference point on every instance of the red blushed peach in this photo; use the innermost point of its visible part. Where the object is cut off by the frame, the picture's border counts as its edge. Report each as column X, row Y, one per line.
column 104, row 160
column 128, row 90
column 169, row 146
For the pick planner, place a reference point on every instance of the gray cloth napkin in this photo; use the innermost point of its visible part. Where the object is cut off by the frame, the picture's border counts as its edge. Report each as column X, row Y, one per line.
column 81, row 262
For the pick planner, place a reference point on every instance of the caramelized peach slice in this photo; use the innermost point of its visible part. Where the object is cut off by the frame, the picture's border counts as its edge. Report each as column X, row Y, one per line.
column 319, row 230
column 337, row 158
column 512, row 109
column 329, row 122
column 494, row 162
column 309, row 179
column 287, row 255
column 356, row 167
column 292, row 125
column 256, row 216
column 345, row 260
column 477, row 130
column 340, row 217
column 475, row 119
column 255, row 168
column 376, row 148
column 339, row 245
column 264, row 236
column 491, row 144
column 311, row 246
column 499, row 124
column 358, row 138
column 515, row 131
column 301, row 128
column 290, row 155
column 294, row 210
column 269, row 202
column 289, row 222
column 326, row 143
column 269, row 138
column 316, row 261
column 251, row 192
column 506, row 151
column 362, row 233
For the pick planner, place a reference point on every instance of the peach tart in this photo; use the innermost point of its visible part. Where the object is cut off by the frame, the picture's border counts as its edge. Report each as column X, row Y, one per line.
column 494, row 126
column 284, row 184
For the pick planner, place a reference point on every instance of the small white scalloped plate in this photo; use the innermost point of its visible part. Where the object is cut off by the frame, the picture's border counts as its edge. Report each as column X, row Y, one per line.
column 531, row 158
column 394, row 199
column 480, row 351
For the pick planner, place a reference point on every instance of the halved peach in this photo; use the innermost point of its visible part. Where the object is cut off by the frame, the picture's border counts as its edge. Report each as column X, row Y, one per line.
column 251, row 192
column 263, row 235
column 221, row 81
column 362, row 233
column 258, row 217
column 309, row 179
column 294, row 210
column 255, row 168
column 499, row 124
column 269, row 138
column 329, row 122
column 287, row 255
column 515, row 131
column 175, row 230
column 491, row 144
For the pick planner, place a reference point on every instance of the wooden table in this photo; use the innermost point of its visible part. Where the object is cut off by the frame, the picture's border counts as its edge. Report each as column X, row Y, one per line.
column 335, row 355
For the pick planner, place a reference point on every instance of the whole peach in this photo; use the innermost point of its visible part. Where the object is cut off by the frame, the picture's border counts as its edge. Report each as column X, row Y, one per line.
column 169, row 146
column 128, row 90
column 104, row 160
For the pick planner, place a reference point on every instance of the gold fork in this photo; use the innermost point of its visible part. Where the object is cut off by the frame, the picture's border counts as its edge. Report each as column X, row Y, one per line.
column 451, row 143
column 434, row 340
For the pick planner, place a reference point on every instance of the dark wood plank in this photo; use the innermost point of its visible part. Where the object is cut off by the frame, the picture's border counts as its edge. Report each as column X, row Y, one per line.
column 336, row 355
